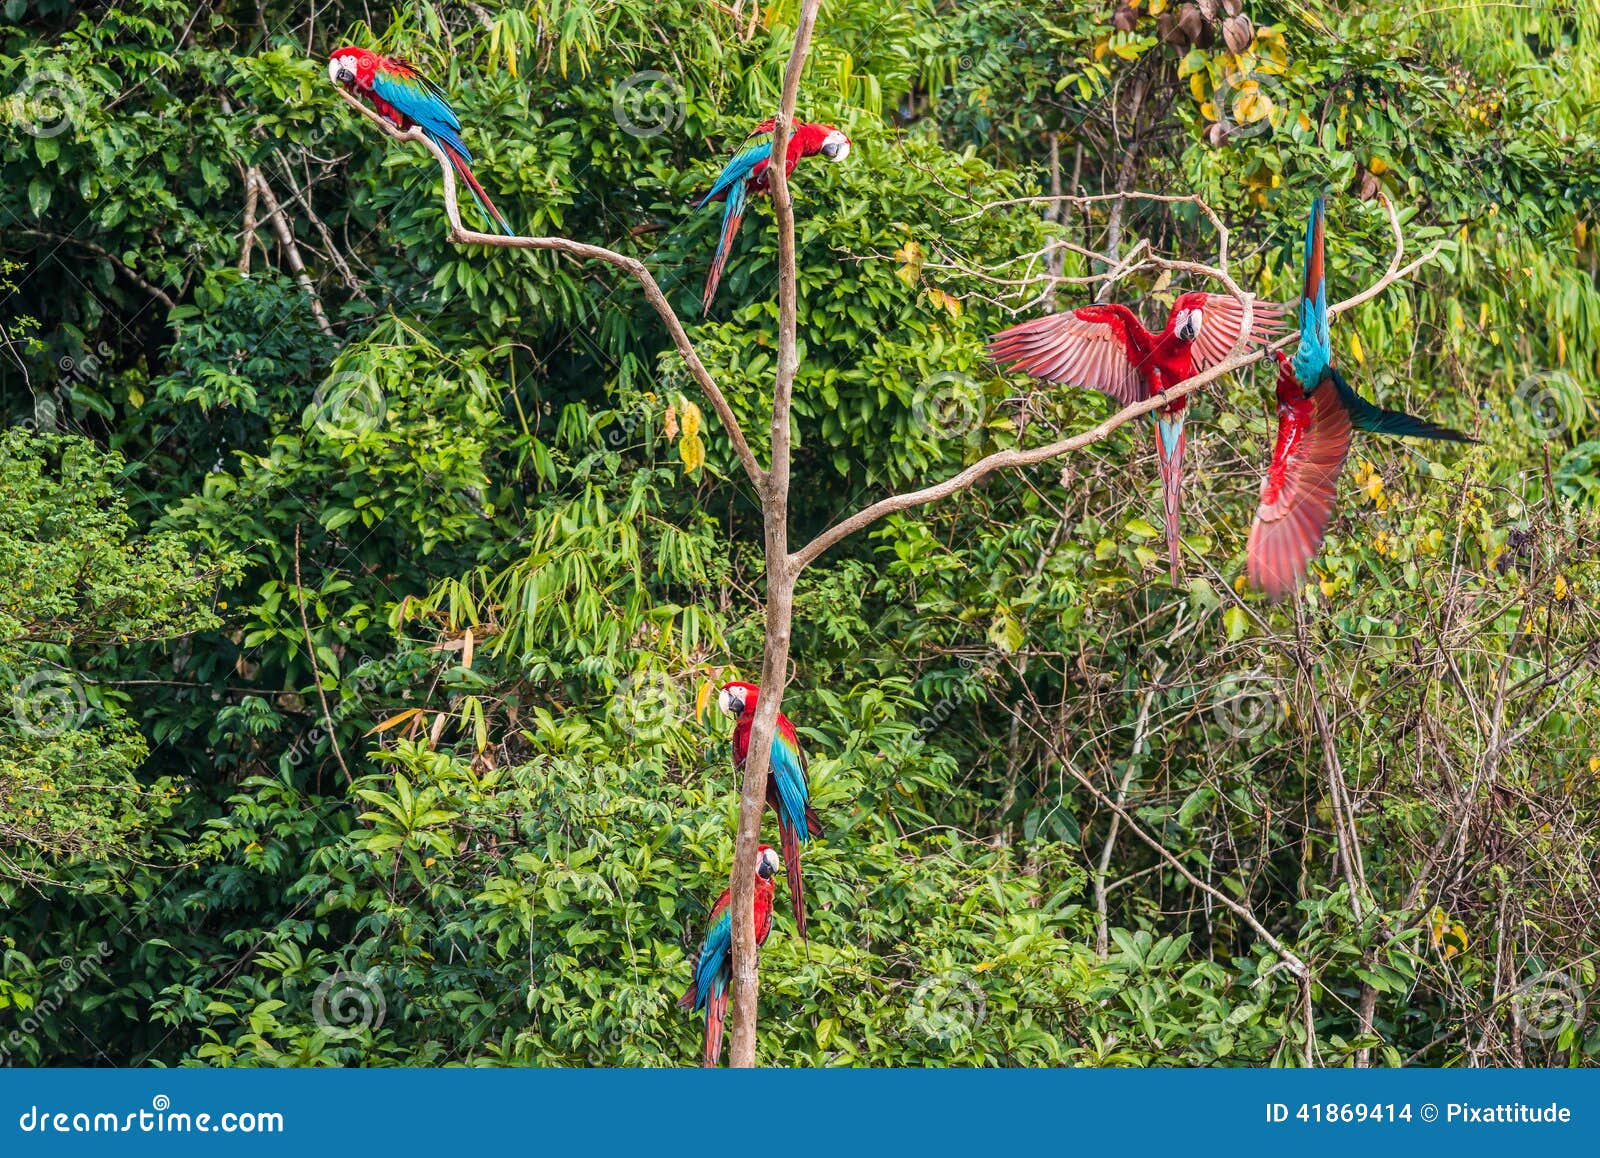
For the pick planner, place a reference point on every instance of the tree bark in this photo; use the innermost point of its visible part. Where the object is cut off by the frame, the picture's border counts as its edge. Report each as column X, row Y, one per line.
column 781, row 571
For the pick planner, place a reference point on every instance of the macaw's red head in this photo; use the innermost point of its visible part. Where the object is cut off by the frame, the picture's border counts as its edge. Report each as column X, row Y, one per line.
column 813, row 139
column 1188, row 315
column 736, row 698
column 352, row 67
column 767, row 863
column 824, row 139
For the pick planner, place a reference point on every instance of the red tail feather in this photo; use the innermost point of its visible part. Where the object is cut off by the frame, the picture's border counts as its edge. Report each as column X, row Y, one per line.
column 465, row 173
column 730, row 228
column 716, row 1014
column 791, row 865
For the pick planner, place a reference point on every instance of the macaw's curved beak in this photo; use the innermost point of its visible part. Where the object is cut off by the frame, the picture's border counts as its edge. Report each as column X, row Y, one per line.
column 836, row 150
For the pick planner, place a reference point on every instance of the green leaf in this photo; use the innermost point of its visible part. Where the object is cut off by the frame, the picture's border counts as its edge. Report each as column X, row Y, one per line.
column 1237, row 623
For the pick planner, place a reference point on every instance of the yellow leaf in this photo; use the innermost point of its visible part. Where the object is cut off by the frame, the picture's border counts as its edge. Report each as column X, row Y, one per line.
column 693, row 453
column 401, row 718
column 910, row 258
column 466, row 649
column 1251, row 106
column 1356, row 351
column 1561, row 586
column 701, row 698
column 1140, row 529
column 691, row 420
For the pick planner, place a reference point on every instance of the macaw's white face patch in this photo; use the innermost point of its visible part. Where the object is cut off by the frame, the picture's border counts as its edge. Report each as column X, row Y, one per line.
column 1189, row 323
column 836, row 146
column 731, row 701
column 768, row 864
column 342, row 69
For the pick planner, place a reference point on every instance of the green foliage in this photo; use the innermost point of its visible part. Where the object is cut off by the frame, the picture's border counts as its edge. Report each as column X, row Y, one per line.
column 81, row 593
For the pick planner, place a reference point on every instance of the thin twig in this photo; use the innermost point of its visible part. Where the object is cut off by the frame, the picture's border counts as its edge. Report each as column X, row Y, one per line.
column 311, row 654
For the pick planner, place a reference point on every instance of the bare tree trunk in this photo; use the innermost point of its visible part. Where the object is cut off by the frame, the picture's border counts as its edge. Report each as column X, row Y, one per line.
column 781, row 572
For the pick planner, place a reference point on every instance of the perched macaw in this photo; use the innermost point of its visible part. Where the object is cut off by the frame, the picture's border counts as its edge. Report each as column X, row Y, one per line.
column 1106, row 348
column 713, row 969
column 404, row 97
column 788, row 791
column 1317, row 411
column 746, row 173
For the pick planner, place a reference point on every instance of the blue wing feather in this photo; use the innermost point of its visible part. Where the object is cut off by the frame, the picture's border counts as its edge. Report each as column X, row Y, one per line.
column 713, row 959
column 790, row 778
column 738, row 168
column 421, row 101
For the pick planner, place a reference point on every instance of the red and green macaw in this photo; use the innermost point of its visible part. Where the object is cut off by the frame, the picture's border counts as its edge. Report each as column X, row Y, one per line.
column 788, row 791
column 746, row 173
column 1106, row 348
column 1317, row 412
column 713, row 969
column 404, row 97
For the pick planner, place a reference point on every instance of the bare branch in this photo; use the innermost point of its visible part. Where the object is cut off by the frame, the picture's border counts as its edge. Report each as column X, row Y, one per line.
column 280, row 225
column 117, row 263
column 631, row 266
column 1129, row 195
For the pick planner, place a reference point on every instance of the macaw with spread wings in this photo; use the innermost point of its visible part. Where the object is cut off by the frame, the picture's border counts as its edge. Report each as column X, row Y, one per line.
column 1107, row 348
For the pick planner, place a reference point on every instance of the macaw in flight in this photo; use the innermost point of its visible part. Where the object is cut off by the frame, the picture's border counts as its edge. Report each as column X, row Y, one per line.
column 746, row 173
column 788, row 790
column 404, row 97
column 1107, row 348
column 1317, row 411
column 713, row 969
